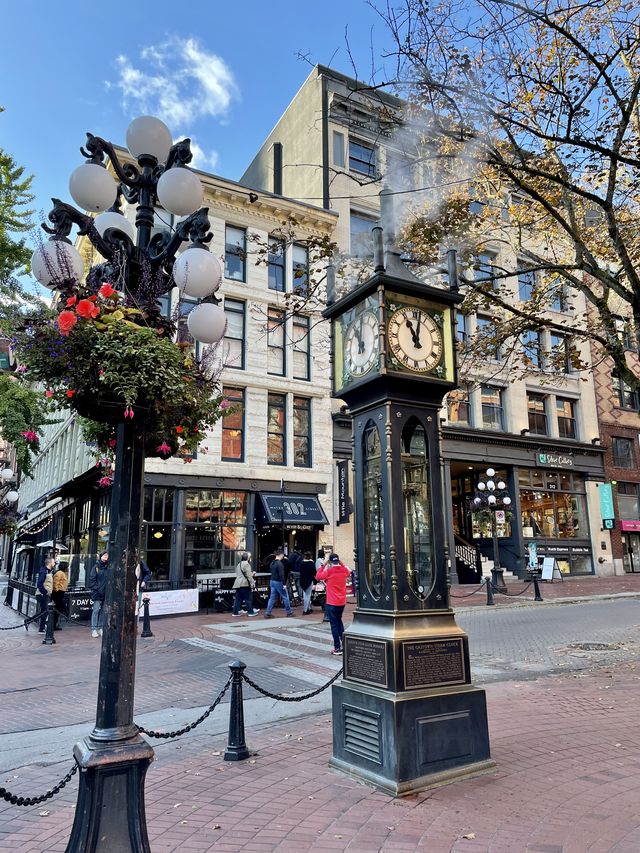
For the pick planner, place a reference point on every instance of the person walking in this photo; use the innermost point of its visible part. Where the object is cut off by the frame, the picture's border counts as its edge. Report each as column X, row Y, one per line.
column 307, row 577
column 60, row 587
column 244, row 585
column 277, row 585
column 45, row 589
column 335, row 575
column 98, row 586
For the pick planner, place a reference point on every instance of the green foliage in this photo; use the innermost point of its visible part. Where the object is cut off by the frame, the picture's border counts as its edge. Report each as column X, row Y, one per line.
column 15, row 196
column 22, row 410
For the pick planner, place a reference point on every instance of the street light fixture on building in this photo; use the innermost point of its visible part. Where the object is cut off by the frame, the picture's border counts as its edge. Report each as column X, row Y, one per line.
column 492, row 497
column 114, row 758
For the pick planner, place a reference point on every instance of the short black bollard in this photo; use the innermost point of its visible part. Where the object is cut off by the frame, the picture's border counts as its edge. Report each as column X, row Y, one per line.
column 489, row 592
column 236, row 748
column 536, row 587
column 49, row 638
column 146, row 621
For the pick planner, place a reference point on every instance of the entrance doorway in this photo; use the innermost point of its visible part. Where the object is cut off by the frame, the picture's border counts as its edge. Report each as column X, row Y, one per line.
column 631, row 552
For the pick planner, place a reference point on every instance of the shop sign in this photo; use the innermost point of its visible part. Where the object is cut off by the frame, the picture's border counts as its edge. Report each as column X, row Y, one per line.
column 167, row 601
column 293, row 509
column 554, row 460
column 343, row 492
column 630, row 526
column 606, row 501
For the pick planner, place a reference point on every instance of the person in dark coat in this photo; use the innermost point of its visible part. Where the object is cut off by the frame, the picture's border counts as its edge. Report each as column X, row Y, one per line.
column 45, row 588
column 97, row 583
column 277, row 585
column 307, row 577
column 59, row 595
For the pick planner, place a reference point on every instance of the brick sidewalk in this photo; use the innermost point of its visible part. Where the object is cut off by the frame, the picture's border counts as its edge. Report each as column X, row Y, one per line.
column 567, row 781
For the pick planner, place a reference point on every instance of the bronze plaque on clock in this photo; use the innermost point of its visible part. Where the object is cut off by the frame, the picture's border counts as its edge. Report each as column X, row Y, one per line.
column 366, row 661
column 433, row 663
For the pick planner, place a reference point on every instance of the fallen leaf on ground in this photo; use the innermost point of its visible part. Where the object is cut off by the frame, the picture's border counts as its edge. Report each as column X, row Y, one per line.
column 469, row 835
column 44, row 813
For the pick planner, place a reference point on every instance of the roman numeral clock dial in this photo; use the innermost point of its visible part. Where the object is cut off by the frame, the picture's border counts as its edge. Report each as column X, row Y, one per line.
column 361, row 344
column 415, row 339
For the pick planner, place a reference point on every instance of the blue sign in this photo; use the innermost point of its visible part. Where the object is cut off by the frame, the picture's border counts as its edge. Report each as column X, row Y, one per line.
column 606, row 501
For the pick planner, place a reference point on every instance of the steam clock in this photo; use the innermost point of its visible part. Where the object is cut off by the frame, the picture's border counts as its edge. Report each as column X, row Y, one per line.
column 405, row 715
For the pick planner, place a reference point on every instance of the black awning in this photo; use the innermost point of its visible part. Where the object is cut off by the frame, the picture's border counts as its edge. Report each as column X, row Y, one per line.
column 292, row 509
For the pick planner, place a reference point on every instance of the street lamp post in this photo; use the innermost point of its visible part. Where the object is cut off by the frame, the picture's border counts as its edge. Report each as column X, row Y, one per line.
column 113, row 759
column 492, row 496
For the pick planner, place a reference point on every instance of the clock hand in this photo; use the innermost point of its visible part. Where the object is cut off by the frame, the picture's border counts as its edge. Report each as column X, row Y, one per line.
column 360, row 339
column 414, row 338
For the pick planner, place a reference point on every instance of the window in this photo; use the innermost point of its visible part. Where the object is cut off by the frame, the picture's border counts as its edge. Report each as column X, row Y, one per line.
column 458, row 407
column 560, row 352
column 277, row 429
column 233, row 426
column 623, row 456
column 629, row 501
column 362, row 158
column 338, row 149
column 492, row 411
column 361, row 236
column 235, row 253
column 526, row 284
column 627, row 397
column 234, row 335
column 483, row 272
column 531, row 349
column 301, row 348
column 158, row 519
column 301, row 432
column 537, row 414
column 626, row 334
column 565, row 411
column 558, row 296
column 485, row 327
column 185, row 308
column 461, row 328
column 275, row 342
column 300, row 284
column 277, row 278
column 215, row 530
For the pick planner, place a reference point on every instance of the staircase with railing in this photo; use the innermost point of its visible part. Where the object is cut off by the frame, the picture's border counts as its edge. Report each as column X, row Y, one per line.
column 468, row 561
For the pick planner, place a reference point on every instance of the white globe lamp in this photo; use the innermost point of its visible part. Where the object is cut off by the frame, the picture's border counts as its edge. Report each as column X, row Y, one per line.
column 197, row 273
column 56, row 261
column 502, row 484
column 6, row 474
column 491, row 499
column 207, row 323
column 111, row 219
column 506, row 501
column 12, row 496
column 491, row 485
column 481, row 487
column 92, row 187
column 148, row 135
column 180, row 191
column 490, row 472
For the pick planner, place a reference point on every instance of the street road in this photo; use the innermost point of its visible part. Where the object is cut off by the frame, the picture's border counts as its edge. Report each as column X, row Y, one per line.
column 47, row 694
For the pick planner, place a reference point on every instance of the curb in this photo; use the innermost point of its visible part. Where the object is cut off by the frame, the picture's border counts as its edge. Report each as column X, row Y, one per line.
column 577, row 599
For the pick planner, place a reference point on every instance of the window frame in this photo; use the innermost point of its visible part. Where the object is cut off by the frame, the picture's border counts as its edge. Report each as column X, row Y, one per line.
column 232, row 249
column 309, row 434
column 531, row 343
column 278, row 401
column 482, row 321
column 536, row 397
column 566, row 344
column 561, row 418
column 496, row 408
column 301, row 321
column 272, row 314
column 526, row 283
column 464, row 402
column 242, row 391
column 358, row 163
column 355, row 250
column 274, row 265
column 618, row 461
column 242, row 312
column 300, row 284
column 624, row 391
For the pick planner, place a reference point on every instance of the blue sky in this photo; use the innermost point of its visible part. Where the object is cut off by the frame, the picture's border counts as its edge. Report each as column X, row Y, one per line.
column 222, row 73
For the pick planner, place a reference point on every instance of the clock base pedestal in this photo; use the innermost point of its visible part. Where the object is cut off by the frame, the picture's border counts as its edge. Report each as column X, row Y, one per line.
column 405, row 716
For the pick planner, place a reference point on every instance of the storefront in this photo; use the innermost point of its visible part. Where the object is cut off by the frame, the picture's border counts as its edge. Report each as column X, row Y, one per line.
column 549, row 488
column 630, row 545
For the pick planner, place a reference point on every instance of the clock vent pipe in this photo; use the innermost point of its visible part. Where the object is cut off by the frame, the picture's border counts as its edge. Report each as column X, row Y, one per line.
column 452, row 269
column 331, row 284
column 378, row 249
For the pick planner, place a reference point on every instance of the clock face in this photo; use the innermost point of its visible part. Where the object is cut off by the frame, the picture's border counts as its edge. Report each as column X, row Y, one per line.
column 415, row 339
column 361, row 344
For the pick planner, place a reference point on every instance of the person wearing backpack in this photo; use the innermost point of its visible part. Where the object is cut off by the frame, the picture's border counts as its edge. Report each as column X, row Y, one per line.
column 45, row 589
column 244, row 585
column 98, row 586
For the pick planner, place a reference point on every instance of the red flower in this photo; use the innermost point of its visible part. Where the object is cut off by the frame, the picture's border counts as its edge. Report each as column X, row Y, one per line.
column 70, row 393
column 178, row 429
column 30, row 436
column 164, row 449
column 49, row 393
column 86, row 309
column 104, row 482
column 112, row 442
column 106, row 291
column 72, row 300
column 93, row 298
column 66, row 322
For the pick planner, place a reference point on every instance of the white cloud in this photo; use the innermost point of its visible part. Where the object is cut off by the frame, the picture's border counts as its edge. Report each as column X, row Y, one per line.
column 178, row 80
column 206, row 162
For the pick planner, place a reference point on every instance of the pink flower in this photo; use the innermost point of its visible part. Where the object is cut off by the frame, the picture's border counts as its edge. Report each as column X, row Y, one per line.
column 128, row 412
column 30, row 436
column 112, row 442
column 49, row 394
column 71, row 301
column 225, row 404
column 164, row 449
column 66, row 322
column 104, row 482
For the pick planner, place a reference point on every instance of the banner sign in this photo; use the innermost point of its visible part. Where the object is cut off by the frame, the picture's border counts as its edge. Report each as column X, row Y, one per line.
column 293, row 509
column 166, row 601
column 606, row 501
column 343, row 492
column 554, row 460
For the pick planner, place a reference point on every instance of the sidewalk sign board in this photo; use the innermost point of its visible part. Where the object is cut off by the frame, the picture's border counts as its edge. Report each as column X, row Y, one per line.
column 550, row 570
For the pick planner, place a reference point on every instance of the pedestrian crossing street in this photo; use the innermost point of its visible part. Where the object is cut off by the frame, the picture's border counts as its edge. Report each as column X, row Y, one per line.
column 298, row 651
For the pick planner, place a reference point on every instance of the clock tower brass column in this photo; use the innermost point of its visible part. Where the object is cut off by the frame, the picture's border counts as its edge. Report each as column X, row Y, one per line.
column 405, row 715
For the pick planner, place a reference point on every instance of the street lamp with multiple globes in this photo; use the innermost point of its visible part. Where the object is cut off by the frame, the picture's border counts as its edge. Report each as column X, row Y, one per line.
column 114, row 758
column 492, row 496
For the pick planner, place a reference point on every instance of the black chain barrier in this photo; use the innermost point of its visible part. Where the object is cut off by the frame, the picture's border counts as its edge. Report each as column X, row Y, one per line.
column 284, row 698
column 201, row 719
column 25, row 622
column 15, row 800
column 467, row 594
column 509, row 594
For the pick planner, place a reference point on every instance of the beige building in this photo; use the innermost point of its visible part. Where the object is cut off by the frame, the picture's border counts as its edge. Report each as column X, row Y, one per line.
column 335, row 144
column 266, row 470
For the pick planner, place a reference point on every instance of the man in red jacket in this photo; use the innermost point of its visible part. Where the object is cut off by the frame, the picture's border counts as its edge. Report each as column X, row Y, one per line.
column 335, row 575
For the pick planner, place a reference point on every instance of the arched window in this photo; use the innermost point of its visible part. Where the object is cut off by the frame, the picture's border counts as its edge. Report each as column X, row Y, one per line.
column 373, row 510
column 418, row 534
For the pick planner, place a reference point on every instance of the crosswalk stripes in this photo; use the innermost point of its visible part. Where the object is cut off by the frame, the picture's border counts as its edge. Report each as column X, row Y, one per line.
column 315, row 678
column 294, row 637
